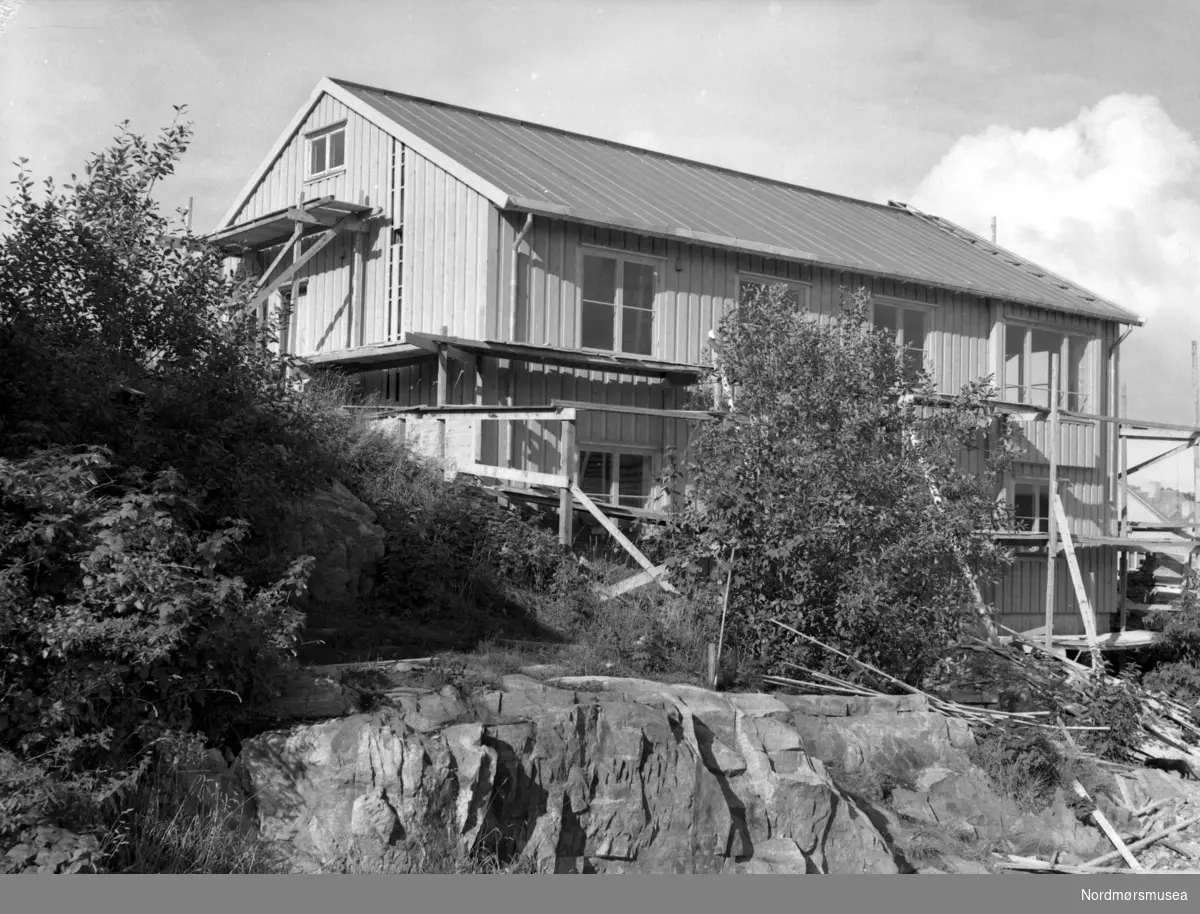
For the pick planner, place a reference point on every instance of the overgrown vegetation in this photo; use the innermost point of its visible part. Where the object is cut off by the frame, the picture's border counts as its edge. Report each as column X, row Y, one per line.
column 1176, row 669
column 821, row 485
column 148, row 439
column 146, row 435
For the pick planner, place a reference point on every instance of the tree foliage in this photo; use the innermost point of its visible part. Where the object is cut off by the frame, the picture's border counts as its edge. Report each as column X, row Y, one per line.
column 147, row 437
column 821, row 484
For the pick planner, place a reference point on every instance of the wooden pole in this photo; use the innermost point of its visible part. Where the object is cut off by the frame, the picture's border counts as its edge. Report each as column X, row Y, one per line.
column 1052, row 520
column 1195, row 450
column 566, row 505
column 443, row 375
column 724, row 612
column 1122, row 482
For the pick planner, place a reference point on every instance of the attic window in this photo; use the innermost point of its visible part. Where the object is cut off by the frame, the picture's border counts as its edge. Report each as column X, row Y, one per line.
column 326, row 150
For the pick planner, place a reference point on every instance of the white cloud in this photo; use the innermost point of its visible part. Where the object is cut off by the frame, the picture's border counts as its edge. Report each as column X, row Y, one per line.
column 645, row 139
column 1111, row 200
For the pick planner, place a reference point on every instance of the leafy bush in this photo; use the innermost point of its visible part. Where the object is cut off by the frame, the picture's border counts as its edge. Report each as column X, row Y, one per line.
column 1179, row 680
column 147, row 436
column 1116, row 705
column 821, row 480
column 1022, row 763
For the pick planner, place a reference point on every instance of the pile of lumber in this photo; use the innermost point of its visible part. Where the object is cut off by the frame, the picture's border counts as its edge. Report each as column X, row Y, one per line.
column 1170, row 733
column 1169, row 738
column 1156, row 829
column 818, row 681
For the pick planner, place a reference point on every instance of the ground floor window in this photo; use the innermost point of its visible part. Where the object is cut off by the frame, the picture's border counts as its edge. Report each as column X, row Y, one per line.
column 616, row 477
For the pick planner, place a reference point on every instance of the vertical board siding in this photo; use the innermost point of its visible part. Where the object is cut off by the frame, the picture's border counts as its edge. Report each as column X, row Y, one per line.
column 1020, row 599
column 325, row 321
column 448, row 262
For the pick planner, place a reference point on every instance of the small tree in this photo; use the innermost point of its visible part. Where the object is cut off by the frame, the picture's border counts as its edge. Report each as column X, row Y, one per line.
column 146, row 438
column 822, row 478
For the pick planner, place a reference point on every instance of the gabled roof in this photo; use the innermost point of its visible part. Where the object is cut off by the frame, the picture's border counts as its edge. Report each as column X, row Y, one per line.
column 527, row 167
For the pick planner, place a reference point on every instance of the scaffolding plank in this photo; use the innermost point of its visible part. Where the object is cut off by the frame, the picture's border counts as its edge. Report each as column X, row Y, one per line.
column 1085, row 605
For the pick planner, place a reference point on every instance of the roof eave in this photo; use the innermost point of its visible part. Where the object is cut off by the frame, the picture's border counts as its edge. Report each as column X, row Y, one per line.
column 601, row 220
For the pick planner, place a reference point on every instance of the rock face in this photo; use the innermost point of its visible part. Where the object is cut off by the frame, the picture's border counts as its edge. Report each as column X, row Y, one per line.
column 607, row 775
column 340, row 532
column 636, row 778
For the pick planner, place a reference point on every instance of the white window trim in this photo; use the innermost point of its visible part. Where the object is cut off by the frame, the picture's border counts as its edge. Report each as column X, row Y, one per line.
column 615, row 449
column 766, row 280
column 313, row 135
column 926, row 308
column 1040, row 484
column 651, row 260
column 1091, row 350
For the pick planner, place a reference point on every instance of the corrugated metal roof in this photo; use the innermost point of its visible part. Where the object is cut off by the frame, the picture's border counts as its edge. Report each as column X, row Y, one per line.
column 552, row 171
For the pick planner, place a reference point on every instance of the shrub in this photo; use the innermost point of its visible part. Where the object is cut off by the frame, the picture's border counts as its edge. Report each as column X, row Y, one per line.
column 821, row 480
column 1179, row 679
column 1022, row 763
column 147, row 435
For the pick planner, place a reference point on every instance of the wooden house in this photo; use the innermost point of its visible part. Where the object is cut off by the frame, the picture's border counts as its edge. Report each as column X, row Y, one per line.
column 536, row 302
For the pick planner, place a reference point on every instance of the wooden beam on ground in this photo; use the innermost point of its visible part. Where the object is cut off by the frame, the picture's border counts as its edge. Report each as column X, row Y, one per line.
column 615, row 532
column 1085, row 605
column 631, row 583
column 1102, row 821
column 525, row 476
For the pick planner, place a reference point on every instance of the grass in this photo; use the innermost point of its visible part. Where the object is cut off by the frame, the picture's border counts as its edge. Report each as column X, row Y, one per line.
column 158, row 833
column 437, row 856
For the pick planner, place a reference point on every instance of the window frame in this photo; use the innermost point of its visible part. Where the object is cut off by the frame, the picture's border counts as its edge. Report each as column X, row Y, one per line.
column 322, row 135
column 1069, row 400
column 616, row 450
column 658, row 264
column 805, row 300
column 1041, row 489
column 902, row 305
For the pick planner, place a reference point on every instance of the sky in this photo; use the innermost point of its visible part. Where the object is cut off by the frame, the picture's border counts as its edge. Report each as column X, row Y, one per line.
column 1074, row 123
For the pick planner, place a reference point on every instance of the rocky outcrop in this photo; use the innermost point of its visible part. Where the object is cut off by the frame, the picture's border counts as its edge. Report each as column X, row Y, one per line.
column 341, row 534
column 636, row 777
column 612, row 775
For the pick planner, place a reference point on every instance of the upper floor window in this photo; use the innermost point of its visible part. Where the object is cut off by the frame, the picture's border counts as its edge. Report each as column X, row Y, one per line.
column 910, row 327
column 326, row 150
column 1028, row 366
column 1031, row 505
column 617, row 313
column 796, row 294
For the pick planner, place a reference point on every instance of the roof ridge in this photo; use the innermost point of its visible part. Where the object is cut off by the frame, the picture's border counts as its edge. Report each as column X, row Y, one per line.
column 1017, row 260
column 562, row 131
